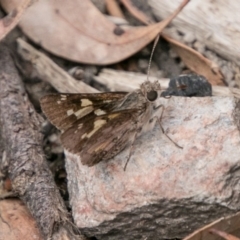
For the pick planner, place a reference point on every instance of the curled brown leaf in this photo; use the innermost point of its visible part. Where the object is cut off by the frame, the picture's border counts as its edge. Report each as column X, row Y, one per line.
column 194, row 60
column 76, row 30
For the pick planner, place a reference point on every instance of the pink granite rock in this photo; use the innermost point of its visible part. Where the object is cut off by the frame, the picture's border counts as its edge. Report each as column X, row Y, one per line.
column 166, row 192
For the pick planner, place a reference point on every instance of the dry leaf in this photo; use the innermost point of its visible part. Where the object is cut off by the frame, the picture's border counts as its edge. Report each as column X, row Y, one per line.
column 11, row 20
column 194, row 60
column 76, row 30
column 197, row 62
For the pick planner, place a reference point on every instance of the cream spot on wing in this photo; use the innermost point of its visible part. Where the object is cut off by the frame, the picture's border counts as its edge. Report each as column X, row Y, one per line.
column 70, row 112
column 80, row 126
column 83, row 112
column 101, row 146
column 85, row 102
column 97, row 124
column 58, row 102
column 99, row 112
column 84, row 136
column 63, row 97
column 107, row 101
column 113, row 115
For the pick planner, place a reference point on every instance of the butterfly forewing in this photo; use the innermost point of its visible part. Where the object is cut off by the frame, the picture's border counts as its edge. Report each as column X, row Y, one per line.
column 89, row 124
column 63, row 110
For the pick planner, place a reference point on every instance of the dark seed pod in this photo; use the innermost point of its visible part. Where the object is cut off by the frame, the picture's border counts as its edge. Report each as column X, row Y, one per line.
column 188, row 85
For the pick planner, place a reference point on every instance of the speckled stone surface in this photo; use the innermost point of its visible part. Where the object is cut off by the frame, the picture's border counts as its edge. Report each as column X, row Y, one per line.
column 166, row 192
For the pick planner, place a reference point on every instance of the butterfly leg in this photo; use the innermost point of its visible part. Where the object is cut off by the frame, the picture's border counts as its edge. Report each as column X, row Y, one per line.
column 163, row 131
column 131, row 149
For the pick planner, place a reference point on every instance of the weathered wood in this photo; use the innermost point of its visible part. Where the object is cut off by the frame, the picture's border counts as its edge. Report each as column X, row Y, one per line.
column 49, row 71
column 128, row 81
column 28, row 170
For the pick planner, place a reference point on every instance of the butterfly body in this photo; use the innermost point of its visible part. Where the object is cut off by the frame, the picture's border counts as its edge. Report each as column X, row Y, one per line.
column 98, row 126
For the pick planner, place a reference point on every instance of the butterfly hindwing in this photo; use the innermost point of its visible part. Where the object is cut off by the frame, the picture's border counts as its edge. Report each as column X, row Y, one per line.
column 63, row 110
column 101, row 138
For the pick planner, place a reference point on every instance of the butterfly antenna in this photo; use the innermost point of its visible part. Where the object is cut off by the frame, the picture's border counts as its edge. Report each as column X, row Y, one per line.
column 153, row 49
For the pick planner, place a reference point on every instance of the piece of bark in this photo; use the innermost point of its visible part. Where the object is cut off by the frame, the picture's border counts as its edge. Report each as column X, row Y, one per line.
column 28, row 170
column 165, row 192
column 116, row 80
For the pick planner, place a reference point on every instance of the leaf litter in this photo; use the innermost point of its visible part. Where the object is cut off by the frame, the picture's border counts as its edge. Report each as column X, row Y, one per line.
column 77, row 31
column 194, row 60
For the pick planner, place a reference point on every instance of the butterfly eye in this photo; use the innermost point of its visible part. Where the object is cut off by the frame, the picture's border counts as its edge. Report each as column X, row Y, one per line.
column 152, row 95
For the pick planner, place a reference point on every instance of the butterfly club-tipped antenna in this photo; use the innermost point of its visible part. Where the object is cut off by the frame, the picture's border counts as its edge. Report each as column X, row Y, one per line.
column 144, row 93
column 148, row 71
column 151, row 56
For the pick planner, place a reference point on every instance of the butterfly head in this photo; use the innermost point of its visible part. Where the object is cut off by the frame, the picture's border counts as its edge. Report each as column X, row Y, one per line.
column 151, row 90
